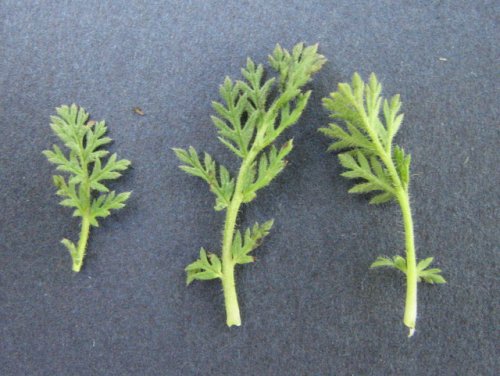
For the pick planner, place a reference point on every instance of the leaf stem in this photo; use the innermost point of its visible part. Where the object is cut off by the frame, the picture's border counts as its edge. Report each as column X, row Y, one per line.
column 410, row 315
column 228, row 283
column 82, row 244
column 85, row 230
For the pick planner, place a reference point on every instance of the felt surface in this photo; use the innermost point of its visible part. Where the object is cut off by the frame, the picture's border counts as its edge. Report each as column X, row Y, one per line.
column 310, row 305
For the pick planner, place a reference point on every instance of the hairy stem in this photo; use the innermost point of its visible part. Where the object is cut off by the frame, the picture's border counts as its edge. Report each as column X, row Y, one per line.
column 82, row 244
column 228, row 284
column 410, row 315
column 85, row 230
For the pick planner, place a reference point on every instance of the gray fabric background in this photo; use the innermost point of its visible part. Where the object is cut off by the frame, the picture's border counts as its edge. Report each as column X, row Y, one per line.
column 310, row 304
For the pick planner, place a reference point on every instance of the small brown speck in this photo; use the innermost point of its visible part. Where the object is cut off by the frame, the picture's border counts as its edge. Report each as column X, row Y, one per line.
column 139, row 111
column 90, row 123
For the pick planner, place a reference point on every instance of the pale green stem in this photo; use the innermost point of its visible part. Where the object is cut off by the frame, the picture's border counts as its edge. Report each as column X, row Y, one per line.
column 82, row 244
column 228, row 284
column 410, row 315
column 84, row 233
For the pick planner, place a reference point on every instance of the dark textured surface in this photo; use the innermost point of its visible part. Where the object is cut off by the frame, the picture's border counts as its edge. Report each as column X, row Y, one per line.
column 310, row 305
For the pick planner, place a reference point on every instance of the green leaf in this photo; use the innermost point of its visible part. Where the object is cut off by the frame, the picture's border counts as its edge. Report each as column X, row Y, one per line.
column 243, row 245
column 288, row 116
column 370, row 173
column 296, row 69
column 222, row 186
column 256, row 91
column 364, row 128
column 205, row 268
column 69, row 126
column 71, row 247
column 94, row 140
column 382, row 261
column 381, row 198
column 112, row 170
column 432, row 275
column 398, row 262
column 358, row 106
column 424, row 263
column 433, row 278
column 363, row 188
column 68, row 191
column 249, row 117
column 84, row 165
column 235, row 125
column 269, row 166
column 102, row 205
column 402, row 162
column 57, row 157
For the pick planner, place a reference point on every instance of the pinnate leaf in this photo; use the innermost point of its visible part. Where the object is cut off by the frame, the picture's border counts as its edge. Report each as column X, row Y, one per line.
column 370, row 172
column 269, row 166
column 397, row 262
column 359, row 129
column 102, row 206
column 222, row 186
column 244, row 244
column 84, row 164
column 205, row 268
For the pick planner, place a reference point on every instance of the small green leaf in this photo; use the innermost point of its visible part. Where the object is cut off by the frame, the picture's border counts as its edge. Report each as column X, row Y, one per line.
column 205, row 268
column 243, row 245
column 433, row 278
column 402, row 162
column 222, row 187
column 400, row 263
column 370, row 172
column 84, row 165
column 363, row 188
column 270, row 165
column 102, row 206
column 382, row 261
column 381, row 198
column 422, row 264
column 432, row 275
column 397, row 262
column 71, row 247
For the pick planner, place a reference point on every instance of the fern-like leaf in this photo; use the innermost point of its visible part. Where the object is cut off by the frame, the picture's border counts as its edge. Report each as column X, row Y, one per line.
column 243, row 245
column 86, row 170
column 370, row 155
column 222, row 186
column 205, row 268
column 250, row 116
column 397, row 262
column 363, row 131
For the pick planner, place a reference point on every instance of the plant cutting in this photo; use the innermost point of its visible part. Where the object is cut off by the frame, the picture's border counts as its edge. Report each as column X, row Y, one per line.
column 365, row 141
column 88, row 169
column 249, row 122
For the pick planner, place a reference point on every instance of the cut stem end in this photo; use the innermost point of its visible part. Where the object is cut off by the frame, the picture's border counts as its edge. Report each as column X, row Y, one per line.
column 235, row 322
column 231, row 298
column 412, row 332
column 77, row 266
